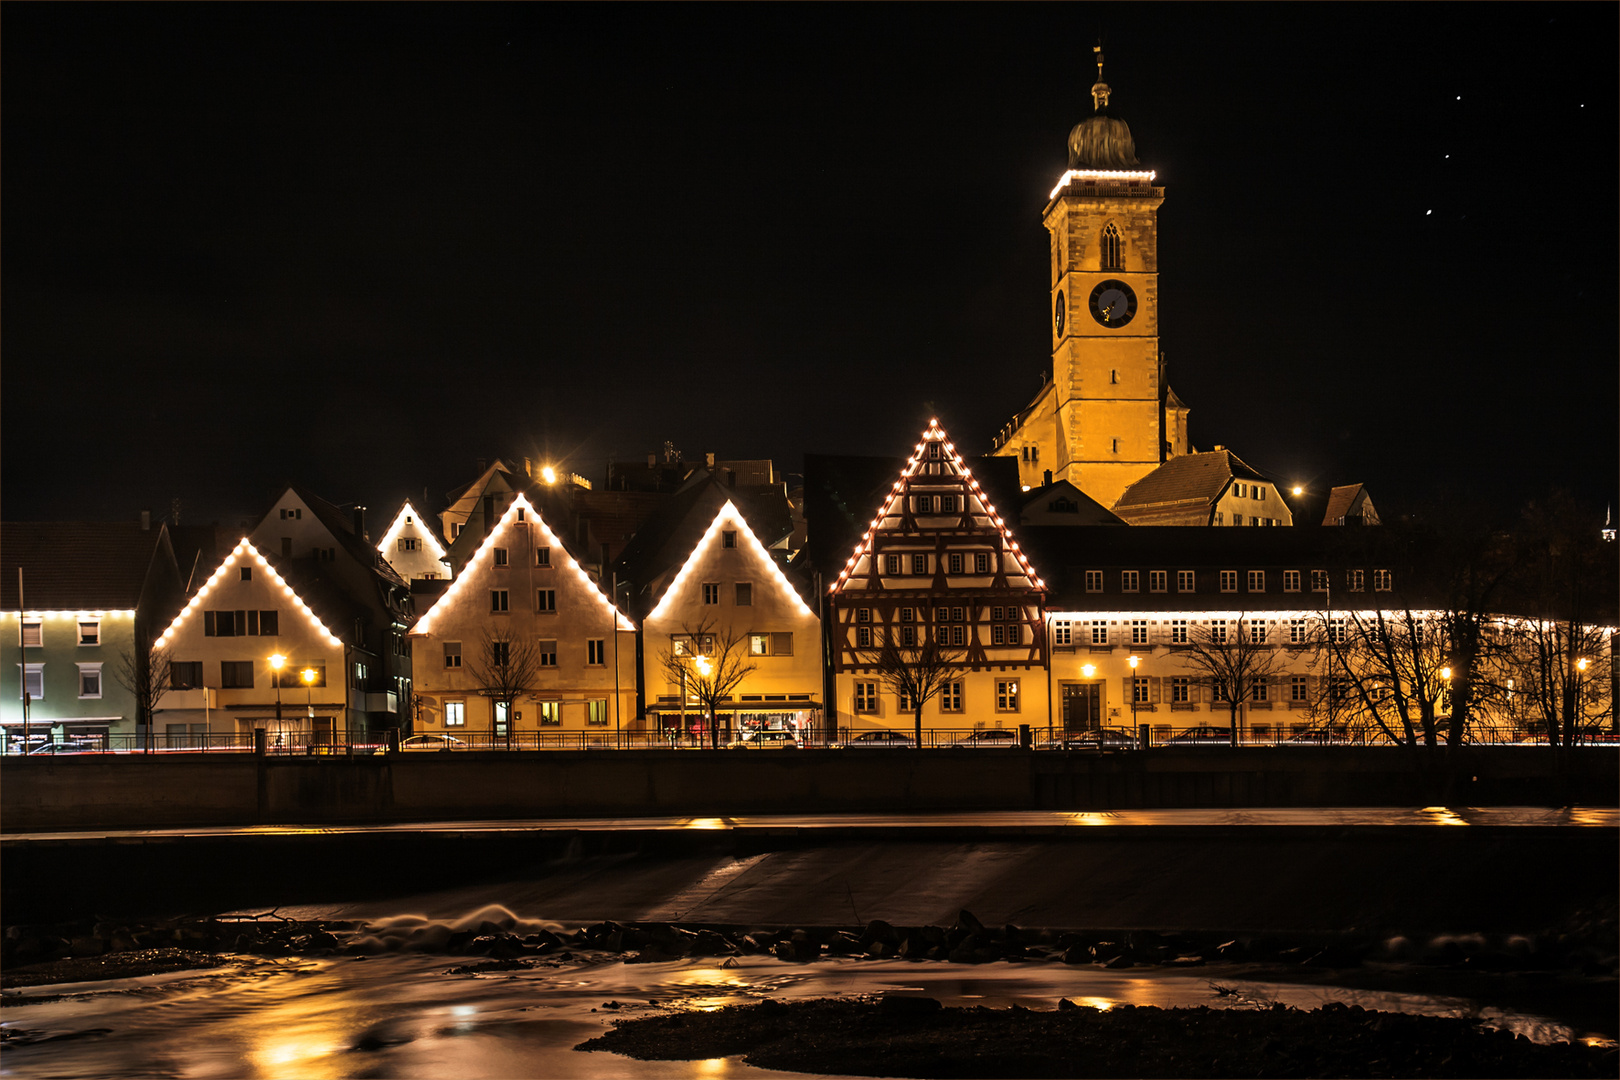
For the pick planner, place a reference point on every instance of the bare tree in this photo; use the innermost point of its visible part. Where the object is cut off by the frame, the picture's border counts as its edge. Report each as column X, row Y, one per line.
column 503, row 670
column 1234, row 658
column 148, row 678
column 915, row 673
column 1388, row 669
column 1557, row 654
column 710, row 663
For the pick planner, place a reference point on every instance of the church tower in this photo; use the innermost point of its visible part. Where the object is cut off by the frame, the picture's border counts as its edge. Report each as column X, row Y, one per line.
column 1099, row 423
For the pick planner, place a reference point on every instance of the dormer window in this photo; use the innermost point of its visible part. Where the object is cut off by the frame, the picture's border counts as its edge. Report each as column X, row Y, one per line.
column 1111, row 248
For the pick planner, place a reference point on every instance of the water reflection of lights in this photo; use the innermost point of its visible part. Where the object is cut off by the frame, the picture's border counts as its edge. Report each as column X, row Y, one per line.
column 712, row 1065
column 1093, row 819
column 1441, row 815
column 281, row 1050
column 1102, row 1004
column 706, row 823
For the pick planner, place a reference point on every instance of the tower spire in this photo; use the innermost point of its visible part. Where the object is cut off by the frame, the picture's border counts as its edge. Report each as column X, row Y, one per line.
column 1099, row 90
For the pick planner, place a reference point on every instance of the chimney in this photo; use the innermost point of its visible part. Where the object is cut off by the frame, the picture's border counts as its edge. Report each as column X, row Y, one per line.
column 360, row 522
column 146, row 521
column 1219, row 448
column 1048, row 477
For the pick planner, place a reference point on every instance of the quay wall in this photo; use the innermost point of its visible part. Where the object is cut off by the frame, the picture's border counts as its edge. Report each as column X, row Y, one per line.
column 133, row 791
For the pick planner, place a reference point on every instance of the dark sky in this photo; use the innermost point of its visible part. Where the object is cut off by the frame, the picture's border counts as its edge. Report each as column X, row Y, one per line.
column 362, row 246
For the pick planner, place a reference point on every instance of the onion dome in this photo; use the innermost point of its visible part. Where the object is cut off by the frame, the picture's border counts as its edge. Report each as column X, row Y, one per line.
column 1101, row 141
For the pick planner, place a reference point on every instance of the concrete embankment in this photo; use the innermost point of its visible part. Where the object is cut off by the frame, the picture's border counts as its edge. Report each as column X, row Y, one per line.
column 114, row 791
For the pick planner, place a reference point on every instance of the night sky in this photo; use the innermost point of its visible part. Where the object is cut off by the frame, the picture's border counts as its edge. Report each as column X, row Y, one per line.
column 363, row 246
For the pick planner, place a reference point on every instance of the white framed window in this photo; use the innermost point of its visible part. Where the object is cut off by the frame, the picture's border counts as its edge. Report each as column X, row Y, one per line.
column 1217, row 631
column 1015, row 634
column 550, row 713
column 1383, row 581
column 954, row 562
column 1298, row 688
column 452, row 654
column 1180, row 690
column 908, row 635
column 958, row 635
column 1178, row 631
column 1290, row 581
column 1186, row 581
column 1158, row 580
column 34, row 681
column 548, row 652
column 542, row 556
column 407, row 543
column 1228, row 581
column 1139, row 690
column 89, row 680
column 925, row 504
column 1319, row 581
column 1257, row 581
column 903, row 701
column 595, row 652
column 1259, row 629
column 1139, row 632
column 545, row 600
column 863, row 614
column 919, row 565
column 90, row 633
column 1099, row 632
column 1094, row 581
column 998, row 634
column 891, row 565
column 1240, row 489
column 1356, row 580
column 1297, row 632
column 596, row 712
column 950, row 696
column 32, row 636
column 455, row 714
column 1259, row 494
column 1336, row 630
column 728, row 538
column 947, row 504
column 1062, row 632
column 1130, row 581
column 863, row 637
column 711, row 592
column 981, row 562
column 1259, row 690
column 1006, row 695
column 498, row 600
column 500, row 557
column 866, row 697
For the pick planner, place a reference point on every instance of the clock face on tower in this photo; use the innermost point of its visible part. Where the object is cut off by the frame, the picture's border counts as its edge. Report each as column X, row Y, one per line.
column 1058, row 314
column 1113, row 303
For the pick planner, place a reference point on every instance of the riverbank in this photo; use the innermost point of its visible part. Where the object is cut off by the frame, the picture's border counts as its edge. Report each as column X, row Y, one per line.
column 917, row 1037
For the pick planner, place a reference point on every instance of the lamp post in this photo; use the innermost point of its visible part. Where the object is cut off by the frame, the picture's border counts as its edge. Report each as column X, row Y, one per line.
column 703, row 666
column 1133, row 661
column 277, row 662
column 1092, row 719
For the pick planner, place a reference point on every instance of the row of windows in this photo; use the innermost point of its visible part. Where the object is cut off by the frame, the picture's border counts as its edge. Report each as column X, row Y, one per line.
column 950, row 697
column 547, row 713
column 501, row 557
column 945, row 614
column 742, row 594
column 239, row 674
column 1187, row 581
column 760, row 643
column 905, row 635
column 89, row 680
column 956, row 562
column 1239, row 519
column 545, row 651
column 88, row 630
column 1294, row 631
column 934, row 504
column 241, row 623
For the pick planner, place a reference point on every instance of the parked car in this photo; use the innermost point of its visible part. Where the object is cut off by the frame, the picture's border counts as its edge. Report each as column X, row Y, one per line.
column 1202, row 735
column 988, row 738
column 432, row 742
column 765, row 740
column 868, row 740
column 1097, row 739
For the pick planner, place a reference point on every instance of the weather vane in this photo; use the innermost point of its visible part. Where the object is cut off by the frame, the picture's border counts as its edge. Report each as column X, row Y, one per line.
column 1099, row 92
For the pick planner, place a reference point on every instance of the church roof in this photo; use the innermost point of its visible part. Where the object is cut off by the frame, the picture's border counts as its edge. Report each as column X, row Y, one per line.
column 1102, row 142
column 1189, row 477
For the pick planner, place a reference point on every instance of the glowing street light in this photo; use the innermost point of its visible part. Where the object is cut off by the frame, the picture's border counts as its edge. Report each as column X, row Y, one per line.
column 1133, row 661
column 1298, row 490
column 548, row 474
column 309, row 675
column 277, row 662
column 1089, row 670
column 1580, row 665
column 1445, row 673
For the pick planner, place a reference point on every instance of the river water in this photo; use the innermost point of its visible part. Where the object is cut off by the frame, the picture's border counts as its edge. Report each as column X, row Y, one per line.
column 405, row 1015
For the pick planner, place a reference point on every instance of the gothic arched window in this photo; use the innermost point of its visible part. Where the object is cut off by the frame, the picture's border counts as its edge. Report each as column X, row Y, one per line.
column 1110, row 248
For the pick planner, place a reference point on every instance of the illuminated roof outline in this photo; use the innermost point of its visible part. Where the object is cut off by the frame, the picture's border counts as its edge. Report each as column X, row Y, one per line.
column 409, row 511
column 242, row 550
column 934, row 433
column 729, row 512
column 424, row 625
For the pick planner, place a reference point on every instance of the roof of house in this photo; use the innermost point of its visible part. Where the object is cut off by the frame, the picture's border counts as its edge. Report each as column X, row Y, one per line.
column 76, row 565
column 341, row 526
column 1344, row 501
column 1189, row 477
column 1064, row 498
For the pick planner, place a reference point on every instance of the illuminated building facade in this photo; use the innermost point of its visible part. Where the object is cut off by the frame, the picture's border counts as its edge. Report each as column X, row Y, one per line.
column 411, row 547
column 522, row 594
column 1216, row 488
column 938, row 562
column 93, row 596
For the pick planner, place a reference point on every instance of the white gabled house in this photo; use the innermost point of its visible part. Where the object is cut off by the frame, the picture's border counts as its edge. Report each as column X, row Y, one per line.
column 221, row 646
column 730, row 588
column 411, row 548
column 523, row 589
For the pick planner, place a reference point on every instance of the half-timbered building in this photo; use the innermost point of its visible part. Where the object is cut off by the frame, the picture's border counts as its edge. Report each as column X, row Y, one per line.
column 938, row 562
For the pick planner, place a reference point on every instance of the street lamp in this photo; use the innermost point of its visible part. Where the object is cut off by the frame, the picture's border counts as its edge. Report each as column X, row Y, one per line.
column 309, row 675
column 704, row 667
column 277, row 662
column 1133, row 661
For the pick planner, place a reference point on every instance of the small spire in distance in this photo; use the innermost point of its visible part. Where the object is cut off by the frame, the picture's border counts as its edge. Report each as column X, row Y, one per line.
column 1099, row 91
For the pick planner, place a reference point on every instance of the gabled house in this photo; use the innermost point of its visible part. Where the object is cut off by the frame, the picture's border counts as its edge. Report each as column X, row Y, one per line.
column 224, row 647
column 326, row 555
column 93, row 594
column 411, row 548
column 938, row 562
column 1215, row 488
column 1350, row 504
column 728, row 601
column 523, row 614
